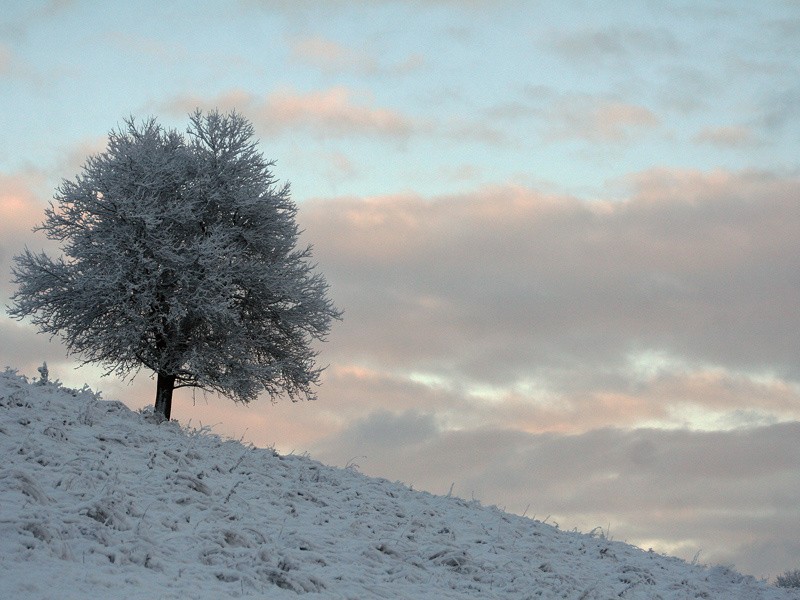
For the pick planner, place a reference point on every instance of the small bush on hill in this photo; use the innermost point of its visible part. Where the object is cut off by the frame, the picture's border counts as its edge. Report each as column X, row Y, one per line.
column 790, row 579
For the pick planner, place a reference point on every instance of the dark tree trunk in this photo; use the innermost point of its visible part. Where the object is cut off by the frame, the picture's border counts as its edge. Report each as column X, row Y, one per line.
column 164, row 388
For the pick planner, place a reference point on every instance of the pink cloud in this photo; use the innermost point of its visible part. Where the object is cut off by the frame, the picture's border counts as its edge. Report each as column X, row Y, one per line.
column 330, row 56
column 338, row 112
column 333, row 112
column 692, row 186
column 599, row 121
column 15, row 206
column 700, row 264
column 21, row 204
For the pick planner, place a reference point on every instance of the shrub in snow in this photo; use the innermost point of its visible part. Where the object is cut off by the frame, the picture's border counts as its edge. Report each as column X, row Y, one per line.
column 180, row 255
column 790, row 579
column 43, row 374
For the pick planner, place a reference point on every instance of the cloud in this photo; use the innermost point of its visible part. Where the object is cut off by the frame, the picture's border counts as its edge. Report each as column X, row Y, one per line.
column 330, row 56
column 327, row 6
column 726, row 137
column 780, row 110
column 149, row 48
column 687, row 88
column 694, row 398
column 475, row 131
column 5, row 60
column 25, row 194
column 22, row 204
column 598, row 121
column 592, row 45
column 463, row 172
column 787, row 27
column 55, row 7
column 507, row 283
column 28, row 350
column 340, row 112
column 571, row 116
column 33, row 13
column 340, row 166
column 76, row 155
column 333, row 112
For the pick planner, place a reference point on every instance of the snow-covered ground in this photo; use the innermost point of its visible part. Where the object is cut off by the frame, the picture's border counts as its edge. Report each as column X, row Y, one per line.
column 97, row 501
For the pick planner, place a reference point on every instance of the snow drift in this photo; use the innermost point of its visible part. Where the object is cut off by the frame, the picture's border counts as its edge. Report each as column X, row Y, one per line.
column 97, row 501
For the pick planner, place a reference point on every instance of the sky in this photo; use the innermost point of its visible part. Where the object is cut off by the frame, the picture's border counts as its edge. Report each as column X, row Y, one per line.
column 563, row 235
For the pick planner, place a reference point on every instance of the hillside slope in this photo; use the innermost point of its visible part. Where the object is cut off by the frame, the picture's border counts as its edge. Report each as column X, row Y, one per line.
column 97, row 501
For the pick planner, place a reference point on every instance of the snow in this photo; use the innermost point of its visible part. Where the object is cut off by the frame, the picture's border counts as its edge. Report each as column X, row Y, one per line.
column 97, row 501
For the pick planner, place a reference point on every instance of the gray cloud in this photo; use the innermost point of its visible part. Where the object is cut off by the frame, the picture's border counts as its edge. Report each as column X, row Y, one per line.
column 733, row 136
column 578, row 116
column 23, row 349
column 509, row 282
column 292, row 6
column 25, row 20
column 592, row 45
column 780, row 111
column 5, row 60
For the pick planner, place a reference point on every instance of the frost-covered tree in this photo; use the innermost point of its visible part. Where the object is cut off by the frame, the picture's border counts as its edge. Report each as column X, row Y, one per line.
column 180, row 255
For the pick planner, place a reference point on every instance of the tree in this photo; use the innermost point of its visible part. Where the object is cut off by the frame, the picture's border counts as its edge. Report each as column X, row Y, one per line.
column 180, row 256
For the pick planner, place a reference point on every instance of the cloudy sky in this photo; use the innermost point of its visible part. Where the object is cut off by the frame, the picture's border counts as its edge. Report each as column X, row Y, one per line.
column 564, row 235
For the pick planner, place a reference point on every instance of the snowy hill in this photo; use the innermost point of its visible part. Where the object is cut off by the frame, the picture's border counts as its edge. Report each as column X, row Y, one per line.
column 97, row 501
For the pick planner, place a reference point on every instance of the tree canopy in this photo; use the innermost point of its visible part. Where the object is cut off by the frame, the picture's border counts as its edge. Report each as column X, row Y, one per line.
column 180, row 255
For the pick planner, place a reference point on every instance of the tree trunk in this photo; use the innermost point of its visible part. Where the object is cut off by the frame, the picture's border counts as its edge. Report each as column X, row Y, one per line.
column 164, row 388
